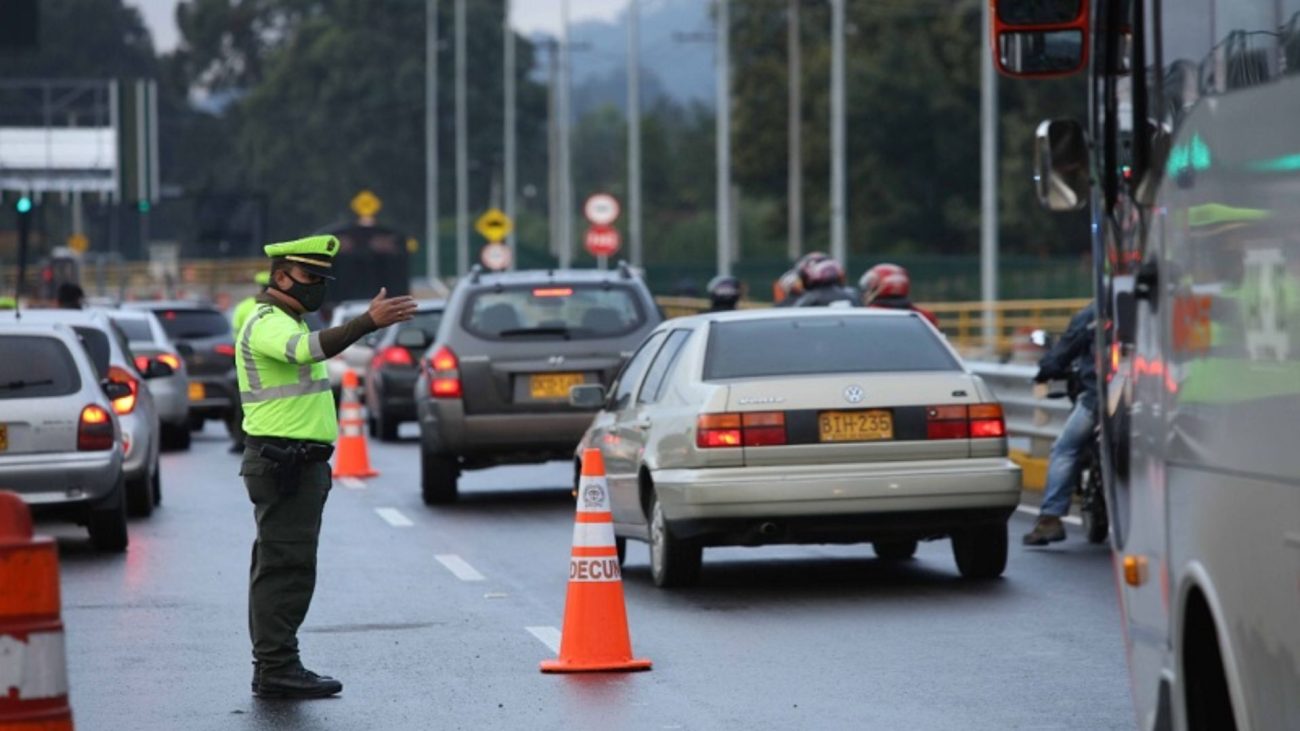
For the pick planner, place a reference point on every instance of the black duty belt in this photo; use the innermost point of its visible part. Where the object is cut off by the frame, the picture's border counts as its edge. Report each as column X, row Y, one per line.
column 296, row 450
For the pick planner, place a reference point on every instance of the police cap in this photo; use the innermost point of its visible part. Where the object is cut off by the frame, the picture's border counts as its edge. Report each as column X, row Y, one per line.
column 314, row 253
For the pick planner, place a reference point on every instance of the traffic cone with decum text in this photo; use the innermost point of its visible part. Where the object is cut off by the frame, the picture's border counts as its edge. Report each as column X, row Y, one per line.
column 353, row 456
column 33, row 661
column 595, row 635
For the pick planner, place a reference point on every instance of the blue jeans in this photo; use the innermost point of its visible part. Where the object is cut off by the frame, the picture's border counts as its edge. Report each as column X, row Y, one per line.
column 1063, row 469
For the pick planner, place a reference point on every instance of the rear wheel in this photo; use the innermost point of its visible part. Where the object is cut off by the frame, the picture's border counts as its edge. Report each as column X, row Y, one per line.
column 1096, row 525
column 157, row 486
column 673, row 561
column 176, row 436
column 196, row 422
column 894, row 550
column 620, row 544
column 981, row 551
column 139, row 494
column 438, row 477
column 387, row 428
column 107, row 522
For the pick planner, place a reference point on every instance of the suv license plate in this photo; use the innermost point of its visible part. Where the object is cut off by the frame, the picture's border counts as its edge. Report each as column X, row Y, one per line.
column 552, row 386
column 197, row 391
column 855, row 426
column 4, row 437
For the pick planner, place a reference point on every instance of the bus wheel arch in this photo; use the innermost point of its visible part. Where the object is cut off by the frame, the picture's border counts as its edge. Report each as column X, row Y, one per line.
column 1209, row 682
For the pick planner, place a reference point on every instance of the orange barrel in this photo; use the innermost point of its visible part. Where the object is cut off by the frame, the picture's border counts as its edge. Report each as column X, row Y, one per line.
column 33, row 667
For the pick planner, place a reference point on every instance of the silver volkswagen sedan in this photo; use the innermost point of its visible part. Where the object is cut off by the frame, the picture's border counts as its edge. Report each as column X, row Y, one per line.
column 803, row 426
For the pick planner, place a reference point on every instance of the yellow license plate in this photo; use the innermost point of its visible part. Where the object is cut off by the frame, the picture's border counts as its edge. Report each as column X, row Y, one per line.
column 4, row 437
column 553, row 385
column 197, row 392
column 855, row 426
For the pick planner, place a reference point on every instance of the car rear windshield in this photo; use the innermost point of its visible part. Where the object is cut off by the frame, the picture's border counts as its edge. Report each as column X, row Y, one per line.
column 45, row 369
column 812, row 345
column 427, row 321
column 553, row 310
column 190, row 324
column 136, row 330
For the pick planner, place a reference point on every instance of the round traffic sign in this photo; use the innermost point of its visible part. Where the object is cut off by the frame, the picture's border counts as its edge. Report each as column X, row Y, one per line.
column 496, row 257
column 601, row 209
column 602, row 241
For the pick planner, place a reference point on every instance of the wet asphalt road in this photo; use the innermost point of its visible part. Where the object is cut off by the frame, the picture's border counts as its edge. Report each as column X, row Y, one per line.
column 773, row 638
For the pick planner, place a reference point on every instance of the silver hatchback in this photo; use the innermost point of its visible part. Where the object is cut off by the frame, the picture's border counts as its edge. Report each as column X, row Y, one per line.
column 60, row 442
column 803, row 426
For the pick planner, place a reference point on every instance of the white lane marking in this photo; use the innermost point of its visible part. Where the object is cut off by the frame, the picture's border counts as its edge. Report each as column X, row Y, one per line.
column 352, row 483
column 1071, row 519
column 549, row 636
column 394, row 517
column 459, row 567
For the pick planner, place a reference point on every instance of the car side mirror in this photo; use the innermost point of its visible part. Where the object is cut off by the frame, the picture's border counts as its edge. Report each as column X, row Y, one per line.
column 587, row 396
column 1035, row 39
column 413, row 338
column 1061, row 165
column 158, row 369
column 115, row 390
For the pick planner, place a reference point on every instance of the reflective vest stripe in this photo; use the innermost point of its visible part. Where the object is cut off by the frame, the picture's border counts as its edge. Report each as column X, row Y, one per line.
column 258, row 395
column 313, row 344
column 291, row 348
column 246, row 351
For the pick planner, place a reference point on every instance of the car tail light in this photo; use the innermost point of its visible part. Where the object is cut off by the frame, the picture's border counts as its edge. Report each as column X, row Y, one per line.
column 175, row 362
column 986, row 421
column 94, row 430
column 392, row 355
column 753, row 429
column 980, row 421
column 126, row 404
column 224, row 349
column 444, row 382
column 142, row 363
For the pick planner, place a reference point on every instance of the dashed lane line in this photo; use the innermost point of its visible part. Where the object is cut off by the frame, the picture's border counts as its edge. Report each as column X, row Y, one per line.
column 548, row 636
column 1030, row 510
column 459, row 567
column 394, row 517
column 352, row 483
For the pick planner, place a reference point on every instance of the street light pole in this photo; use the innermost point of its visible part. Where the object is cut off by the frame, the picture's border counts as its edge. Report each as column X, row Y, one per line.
column 634, row 133
column 988, row 182
column 509, row 142
column 566, row 165
column 723, row 118
column 431, row 140
column 462, row 151
column 839, row 247
column 794, row 187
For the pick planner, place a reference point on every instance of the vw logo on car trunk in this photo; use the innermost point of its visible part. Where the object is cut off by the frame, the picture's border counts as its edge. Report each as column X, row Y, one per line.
column 853, row 394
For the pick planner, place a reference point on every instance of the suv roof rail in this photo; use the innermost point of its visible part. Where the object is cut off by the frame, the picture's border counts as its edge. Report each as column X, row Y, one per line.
column 475, row 272
column 624, row 269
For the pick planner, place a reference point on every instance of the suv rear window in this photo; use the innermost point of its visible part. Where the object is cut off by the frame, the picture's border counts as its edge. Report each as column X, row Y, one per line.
column 135, row 329
column 95, row 341
column 810, row 345
column 573, row 312
column 190, row 324
column 46, row 368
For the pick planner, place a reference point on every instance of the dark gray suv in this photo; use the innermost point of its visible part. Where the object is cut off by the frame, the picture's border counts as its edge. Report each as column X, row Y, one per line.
column 494, row 386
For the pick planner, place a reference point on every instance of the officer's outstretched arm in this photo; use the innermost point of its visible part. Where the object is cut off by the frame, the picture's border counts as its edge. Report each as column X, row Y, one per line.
column 279, row 338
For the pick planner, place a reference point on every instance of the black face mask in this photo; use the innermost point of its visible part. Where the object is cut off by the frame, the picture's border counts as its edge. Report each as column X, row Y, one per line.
column 310, row 296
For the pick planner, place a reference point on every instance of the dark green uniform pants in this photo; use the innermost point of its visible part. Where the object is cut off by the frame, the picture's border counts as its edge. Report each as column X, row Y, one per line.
column 282, row 576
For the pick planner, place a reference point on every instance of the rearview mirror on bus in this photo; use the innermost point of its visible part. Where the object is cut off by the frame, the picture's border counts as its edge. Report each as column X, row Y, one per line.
column 1032, row 38
column 1061, row 165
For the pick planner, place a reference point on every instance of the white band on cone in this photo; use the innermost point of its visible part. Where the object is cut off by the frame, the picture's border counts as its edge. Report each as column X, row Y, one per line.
column 593, row 535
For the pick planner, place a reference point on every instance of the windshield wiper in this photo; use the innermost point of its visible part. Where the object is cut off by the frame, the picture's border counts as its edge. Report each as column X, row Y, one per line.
column 561, row 331
column 15, row 385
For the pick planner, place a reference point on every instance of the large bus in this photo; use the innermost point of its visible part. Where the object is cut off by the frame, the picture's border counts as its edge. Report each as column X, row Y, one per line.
column 1190, row 163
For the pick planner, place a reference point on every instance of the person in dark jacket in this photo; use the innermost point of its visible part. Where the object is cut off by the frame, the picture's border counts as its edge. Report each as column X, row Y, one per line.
column 724, row 293
column 1074, row 352
column 823, row 284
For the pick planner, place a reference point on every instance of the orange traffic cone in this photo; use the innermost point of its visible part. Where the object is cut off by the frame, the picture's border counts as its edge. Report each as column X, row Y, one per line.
column 33, row 669
column 352, row 458
column 595, row 620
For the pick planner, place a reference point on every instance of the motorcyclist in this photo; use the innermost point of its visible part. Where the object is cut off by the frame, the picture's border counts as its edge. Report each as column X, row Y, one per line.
column 724, row 293
column 889, row 286
column 823, row 283
column 1074, row 351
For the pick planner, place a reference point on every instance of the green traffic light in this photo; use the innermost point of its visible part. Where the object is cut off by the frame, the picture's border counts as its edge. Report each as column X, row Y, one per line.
column 24, row 205
column 143, row 206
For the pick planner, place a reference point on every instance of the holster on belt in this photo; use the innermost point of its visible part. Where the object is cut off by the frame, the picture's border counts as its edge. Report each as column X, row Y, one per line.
column 289, row 456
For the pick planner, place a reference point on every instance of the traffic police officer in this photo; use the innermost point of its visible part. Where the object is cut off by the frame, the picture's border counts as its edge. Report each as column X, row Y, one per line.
column 291, row 425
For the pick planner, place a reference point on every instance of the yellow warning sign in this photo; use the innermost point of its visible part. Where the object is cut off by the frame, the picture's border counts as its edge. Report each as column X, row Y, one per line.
column 366, row 204
column 78, row 243
column 494, row 225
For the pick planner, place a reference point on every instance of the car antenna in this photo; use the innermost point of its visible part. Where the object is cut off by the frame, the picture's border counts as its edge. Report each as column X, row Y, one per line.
column 624, row 269
column 475, row 273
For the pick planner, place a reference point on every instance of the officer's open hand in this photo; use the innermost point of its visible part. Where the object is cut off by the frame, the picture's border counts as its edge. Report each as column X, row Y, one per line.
column 385, row 310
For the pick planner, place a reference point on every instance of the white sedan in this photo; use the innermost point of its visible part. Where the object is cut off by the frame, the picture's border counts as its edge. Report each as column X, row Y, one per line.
column 803, row 426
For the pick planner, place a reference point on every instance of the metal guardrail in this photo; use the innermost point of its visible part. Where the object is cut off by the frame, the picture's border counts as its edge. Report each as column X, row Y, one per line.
column 1026, row 414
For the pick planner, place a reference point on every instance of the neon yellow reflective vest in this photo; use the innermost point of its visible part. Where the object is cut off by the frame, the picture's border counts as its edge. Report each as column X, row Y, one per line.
column 283, row 383
column 240, row 314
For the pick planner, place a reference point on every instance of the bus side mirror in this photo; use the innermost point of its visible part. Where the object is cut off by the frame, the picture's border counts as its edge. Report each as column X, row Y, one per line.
column 1061, row 165
column 1032, row 38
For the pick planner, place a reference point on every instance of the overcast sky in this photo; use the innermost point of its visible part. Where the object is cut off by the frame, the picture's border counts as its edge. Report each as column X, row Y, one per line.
column 530, row 16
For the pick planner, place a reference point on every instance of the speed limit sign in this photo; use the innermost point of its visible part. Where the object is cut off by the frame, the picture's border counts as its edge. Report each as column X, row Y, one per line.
column 601, row 209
